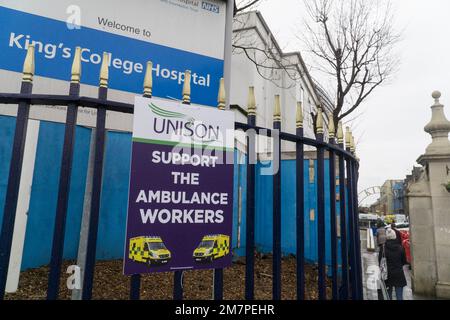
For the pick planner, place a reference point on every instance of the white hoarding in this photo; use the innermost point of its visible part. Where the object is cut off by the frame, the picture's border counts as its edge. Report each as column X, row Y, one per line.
column 177, row 35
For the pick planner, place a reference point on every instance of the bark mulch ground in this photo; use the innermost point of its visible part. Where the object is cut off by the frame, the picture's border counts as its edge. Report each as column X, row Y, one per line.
column 109, row 283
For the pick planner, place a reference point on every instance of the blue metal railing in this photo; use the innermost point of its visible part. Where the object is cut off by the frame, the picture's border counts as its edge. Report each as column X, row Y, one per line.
column 348, row 286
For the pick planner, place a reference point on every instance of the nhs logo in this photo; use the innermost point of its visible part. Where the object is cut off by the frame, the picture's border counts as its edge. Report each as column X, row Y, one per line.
column 210, row 7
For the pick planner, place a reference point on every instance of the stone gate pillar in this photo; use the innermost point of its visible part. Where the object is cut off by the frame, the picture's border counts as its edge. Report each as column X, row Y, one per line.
column 429, row 206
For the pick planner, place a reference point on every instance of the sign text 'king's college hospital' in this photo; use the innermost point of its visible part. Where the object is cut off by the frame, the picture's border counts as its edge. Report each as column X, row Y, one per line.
column 175, row 35
column 180, row 204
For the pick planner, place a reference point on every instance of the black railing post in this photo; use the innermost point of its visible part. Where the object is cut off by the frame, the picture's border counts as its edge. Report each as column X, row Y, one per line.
column 276, row 164
column 218, row 284
column 100, row 137
column 321, row 210
column 135, row 280
column 64, row 182
column 135, row 287
column 333, row 232
column 351, row 222
column 300, row 207
column 15, row 171
column 250, row 206
column 354, row 165
column 178, row 275
column 344, row 292
column 218, row 273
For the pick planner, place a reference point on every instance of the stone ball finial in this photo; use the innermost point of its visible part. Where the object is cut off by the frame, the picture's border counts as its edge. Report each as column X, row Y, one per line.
column 436, row 95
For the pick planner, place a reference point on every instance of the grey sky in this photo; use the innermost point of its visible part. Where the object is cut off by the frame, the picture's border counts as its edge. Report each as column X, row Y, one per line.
column 390, row 132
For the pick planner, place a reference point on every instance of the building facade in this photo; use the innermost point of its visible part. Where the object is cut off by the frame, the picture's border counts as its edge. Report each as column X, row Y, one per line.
column 259, row 61
column 391, row 199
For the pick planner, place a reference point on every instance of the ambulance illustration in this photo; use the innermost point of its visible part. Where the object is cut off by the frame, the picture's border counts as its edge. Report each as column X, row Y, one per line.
column 212, row 247
column 149, row 250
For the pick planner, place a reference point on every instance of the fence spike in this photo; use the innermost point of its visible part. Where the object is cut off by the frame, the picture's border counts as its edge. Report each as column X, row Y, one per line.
column 348, row 137
column 319, row 121
column 221, row 98
column 251, row 103
column 352, row 144
column 148, row 79
column 76, row 66
column 340, row 133
column 104, row 71
column 331, row 126
column 299, row 115
column 277, row 110
column 187, row 87
column 28, row 65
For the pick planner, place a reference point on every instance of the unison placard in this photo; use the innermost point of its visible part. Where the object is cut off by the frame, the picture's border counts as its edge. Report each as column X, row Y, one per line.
column 181, row 188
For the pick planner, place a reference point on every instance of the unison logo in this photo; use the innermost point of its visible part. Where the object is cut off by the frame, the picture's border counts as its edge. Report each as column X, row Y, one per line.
column 210, row 7
column 177, row 123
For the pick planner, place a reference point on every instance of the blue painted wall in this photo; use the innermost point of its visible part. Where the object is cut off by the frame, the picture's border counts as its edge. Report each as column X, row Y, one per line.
column 41, row 216
column 115, row 194
column 7, row 126
column 113, row 210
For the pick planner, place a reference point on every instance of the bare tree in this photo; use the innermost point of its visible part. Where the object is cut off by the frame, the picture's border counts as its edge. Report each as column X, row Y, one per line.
column 353, row 44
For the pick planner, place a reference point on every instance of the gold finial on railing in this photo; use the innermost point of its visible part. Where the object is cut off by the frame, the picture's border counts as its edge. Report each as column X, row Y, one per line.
column 221, row 98
column 299, row 115
column 331, row 127
column 277, row 109
column 187, row 87
column 251, row 103
column 28, row 65
column 348, row 137
column 104, row 71
column 76, row 66
column 148, row 79
column 352, row 144
column 319, row 121
column 340, row 133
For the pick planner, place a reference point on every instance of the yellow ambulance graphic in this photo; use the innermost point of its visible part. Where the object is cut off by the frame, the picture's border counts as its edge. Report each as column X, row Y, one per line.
column 149, row 250
column 212, row 247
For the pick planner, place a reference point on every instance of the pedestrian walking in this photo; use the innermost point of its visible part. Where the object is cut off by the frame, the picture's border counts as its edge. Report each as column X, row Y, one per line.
column 381, row 233
column 395, row 257
column 397, row 233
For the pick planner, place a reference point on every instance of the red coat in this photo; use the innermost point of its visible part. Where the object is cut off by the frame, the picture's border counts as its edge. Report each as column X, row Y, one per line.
column 406, row 245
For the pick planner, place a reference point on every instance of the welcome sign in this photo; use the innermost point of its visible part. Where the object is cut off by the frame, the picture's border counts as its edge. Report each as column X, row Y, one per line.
column 176, row 35
column 180, row 203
